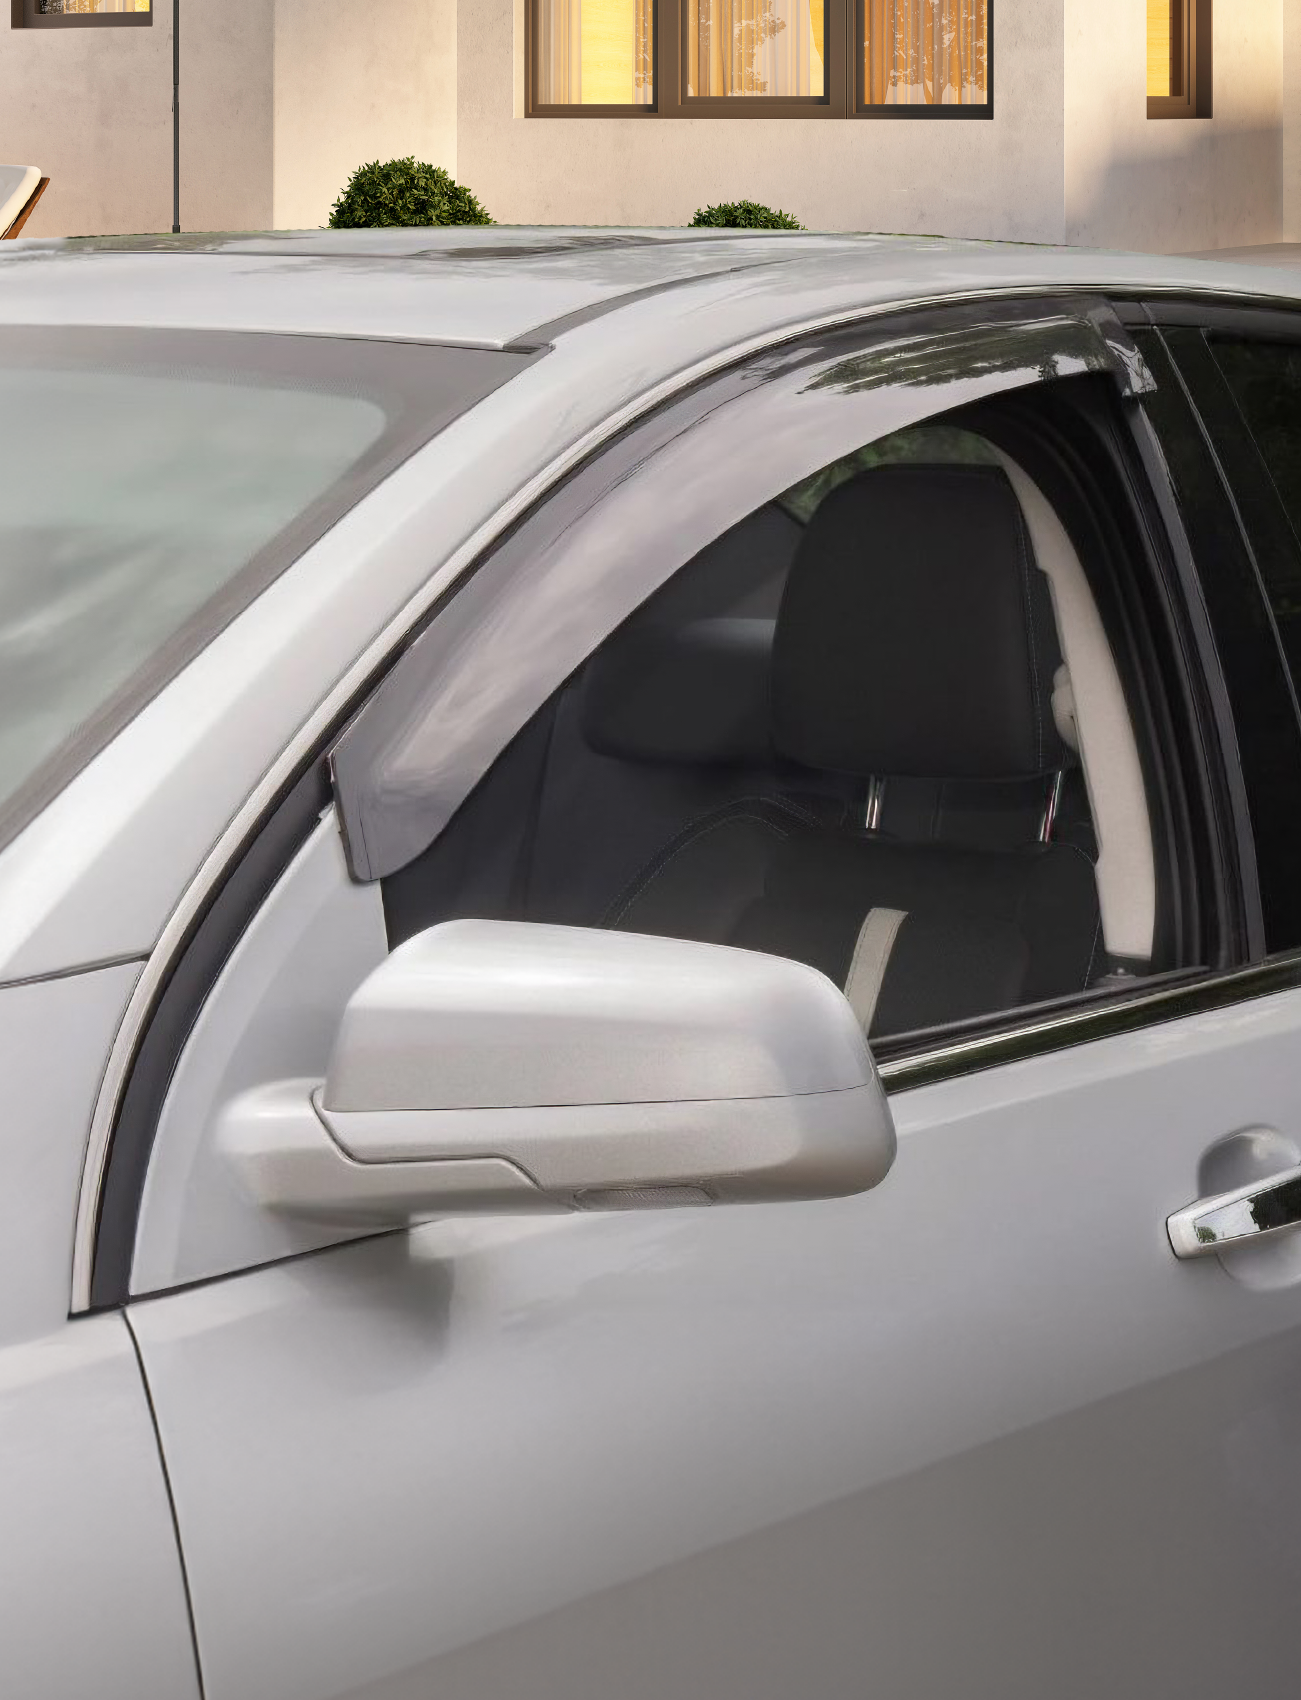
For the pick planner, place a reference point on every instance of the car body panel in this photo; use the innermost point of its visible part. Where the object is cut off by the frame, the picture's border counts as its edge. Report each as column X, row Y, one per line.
column 432, row 1440
column 92, row 1598
column 97, row 876
column 975, row 1429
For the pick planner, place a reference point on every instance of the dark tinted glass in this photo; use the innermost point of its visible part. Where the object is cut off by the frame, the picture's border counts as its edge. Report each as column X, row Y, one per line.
column 1265, row 378
column 1243, row 579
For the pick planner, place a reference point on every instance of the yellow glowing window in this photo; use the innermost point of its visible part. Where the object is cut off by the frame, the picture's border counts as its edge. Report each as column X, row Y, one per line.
column 1180, row 45
column 925, row 52
column 760, row 48
column 593, row 53
column 89, row 8
column 1165, row 60
column 63, row 14
column 724, row 59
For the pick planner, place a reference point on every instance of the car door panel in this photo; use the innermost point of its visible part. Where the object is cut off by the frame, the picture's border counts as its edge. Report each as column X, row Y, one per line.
column 933, row 1434
column 92, row 1597
column 914, row 1442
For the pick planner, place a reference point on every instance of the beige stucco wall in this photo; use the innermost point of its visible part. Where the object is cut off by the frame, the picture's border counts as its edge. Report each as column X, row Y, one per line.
column 357, row 80
column 92, row 108
column 1173, row 185
column 996, row 178
column 1292, row 120
column 280, row 101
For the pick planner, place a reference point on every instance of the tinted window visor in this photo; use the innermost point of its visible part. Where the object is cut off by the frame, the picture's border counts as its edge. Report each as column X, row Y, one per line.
column 542, row 601
column 152, row 484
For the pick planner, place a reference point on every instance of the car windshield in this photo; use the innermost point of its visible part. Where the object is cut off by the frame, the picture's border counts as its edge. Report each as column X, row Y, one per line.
column 150, row 485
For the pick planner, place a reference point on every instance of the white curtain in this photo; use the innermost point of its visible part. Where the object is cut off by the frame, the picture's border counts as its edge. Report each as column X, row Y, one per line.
column 755, row 47
column 926, row 52
column 593, row 53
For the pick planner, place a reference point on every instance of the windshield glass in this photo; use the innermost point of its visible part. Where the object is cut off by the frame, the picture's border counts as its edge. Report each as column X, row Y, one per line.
column 148, row 493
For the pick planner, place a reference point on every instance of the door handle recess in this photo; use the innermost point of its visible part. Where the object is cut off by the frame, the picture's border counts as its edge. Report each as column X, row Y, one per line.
column 1234, row 1218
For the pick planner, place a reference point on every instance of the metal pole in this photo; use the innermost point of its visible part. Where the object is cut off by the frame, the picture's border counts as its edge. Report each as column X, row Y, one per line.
column 176, row 117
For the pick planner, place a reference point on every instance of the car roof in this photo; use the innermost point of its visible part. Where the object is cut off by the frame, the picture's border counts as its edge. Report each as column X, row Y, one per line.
column 499, row 286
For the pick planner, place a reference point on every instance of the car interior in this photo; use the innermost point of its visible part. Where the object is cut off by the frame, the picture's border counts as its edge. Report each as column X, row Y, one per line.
column 878, row 727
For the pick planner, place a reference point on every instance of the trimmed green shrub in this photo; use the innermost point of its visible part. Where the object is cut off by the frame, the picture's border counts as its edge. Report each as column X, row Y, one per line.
column 404, row 192
column 743, row 215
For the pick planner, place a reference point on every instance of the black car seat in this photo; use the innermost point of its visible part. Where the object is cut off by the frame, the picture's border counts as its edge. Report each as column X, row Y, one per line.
column 915, row 641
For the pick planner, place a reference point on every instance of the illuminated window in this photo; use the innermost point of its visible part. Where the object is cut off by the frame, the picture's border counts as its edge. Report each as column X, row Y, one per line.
column 760, row 58
column 55, row 14
column 761, row 48
column 593, row 53
column 1179, row 58
column 925, row 53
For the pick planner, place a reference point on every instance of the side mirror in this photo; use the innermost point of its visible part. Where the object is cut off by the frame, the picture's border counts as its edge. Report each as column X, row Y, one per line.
column 495, row 1066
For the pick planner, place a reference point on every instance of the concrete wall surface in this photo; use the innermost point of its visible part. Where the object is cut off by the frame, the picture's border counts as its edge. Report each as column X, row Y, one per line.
column 357, row 80
column 281, row 100
column 1292, row 120
column 1173, row 185
column 999, row 178
column 92, row 108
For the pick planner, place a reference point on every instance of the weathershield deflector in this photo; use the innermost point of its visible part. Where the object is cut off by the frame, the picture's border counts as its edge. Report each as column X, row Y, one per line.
column 537, row 607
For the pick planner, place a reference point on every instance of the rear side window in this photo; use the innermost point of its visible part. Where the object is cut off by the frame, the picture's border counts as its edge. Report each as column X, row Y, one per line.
column 1261, row 384
column 152, row 484
column 1265, row 378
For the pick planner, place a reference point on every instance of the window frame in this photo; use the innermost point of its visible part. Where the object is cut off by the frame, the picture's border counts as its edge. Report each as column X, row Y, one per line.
column 842, row 32
column 1245, row 597
column 1197, row 100
column 26, row 16
column 229, row 892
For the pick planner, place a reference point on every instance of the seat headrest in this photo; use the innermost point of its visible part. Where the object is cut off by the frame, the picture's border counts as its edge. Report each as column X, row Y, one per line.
column 916, row 635
column 696, row 693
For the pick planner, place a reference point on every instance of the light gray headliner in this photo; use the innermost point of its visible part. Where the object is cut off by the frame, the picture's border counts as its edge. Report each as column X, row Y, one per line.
column 493, row 286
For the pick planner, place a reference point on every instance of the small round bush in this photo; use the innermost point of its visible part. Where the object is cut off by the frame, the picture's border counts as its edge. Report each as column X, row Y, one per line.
column 743, row 215
column 404, row 192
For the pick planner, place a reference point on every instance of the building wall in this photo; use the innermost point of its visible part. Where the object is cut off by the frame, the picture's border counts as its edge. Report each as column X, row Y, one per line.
column 1292, row 120
column 357, row 80
column 1163, row 185
column 280, row 101
column 92, row 108
column 1001, row 178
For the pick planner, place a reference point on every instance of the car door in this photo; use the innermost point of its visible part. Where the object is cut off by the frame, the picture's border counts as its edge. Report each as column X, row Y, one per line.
column 977, row 1430
column 92, row 1592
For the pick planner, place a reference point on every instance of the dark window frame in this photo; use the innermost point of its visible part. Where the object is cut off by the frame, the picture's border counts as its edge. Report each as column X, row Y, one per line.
column 242, row 885
column 25, row 15
column 1268, row 709
column 1197, row 97
column 842, row 99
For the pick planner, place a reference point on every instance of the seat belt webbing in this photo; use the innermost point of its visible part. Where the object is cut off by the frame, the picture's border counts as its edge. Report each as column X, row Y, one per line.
column 876, row 940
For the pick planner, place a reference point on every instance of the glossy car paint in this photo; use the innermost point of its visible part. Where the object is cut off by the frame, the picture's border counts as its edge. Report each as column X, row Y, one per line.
column 92, row 1599
column 99, row 874
column 977, row 1431
column 493, row 655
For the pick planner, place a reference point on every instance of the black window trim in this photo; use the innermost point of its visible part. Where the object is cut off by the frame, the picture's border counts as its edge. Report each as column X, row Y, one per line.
column 229, row 891
column 1249, row 320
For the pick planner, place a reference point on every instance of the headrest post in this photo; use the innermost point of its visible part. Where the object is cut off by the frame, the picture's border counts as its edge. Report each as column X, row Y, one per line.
column 1051, row 807
column 875, row 799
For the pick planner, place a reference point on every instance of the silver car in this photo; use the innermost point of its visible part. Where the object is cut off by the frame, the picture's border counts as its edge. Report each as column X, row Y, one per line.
column 650, row 1010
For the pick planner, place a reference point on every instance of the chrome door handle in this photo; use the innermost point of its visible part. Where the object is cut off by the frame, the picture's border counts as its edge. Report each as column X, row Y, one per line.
column 1230, row 1218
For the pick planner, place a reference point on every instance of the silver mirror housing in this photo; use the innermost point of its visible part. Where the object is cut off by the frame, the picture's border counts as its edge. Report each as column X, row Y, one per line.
column 490, row 1065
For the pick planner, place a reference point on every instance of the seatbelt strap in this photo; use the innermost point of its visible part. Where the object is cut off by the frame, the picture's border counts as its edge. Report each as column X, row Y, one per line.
column 876, row 941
